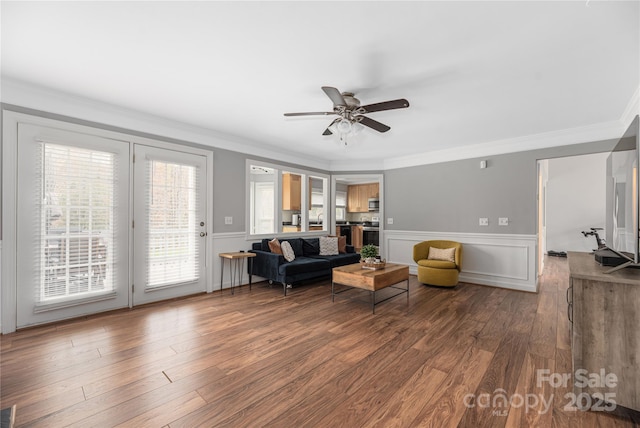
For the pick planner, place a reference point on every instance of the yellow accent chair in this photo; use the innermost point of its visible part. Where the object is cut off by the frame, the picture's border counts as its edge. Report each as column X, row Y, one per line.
column 438, row 271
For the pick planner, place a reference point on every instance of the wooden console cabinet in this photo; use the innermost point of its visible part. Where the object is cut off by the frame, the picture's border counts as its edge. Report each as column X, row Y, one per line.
column 604, row 310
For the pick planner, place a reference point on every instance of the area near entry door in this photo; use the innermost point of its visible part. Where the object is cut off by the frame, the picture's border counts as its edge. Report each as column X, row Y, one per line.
column 170, row 229
column 72, row 230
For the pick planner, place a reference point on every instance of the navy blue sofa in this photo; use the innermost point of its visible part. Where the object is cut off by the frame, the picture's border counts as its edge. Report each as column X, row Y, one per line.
column 308, row 264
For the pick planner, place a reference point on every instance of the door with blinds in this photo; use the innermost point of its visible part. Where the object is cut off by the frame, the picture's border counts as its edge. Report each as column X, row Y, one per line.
column 169, row 224
column 72, row 224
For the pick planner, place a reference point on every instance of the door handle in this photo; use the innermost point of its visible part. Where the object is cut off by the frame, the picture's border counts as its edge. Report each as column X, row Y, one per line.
column 202, row 234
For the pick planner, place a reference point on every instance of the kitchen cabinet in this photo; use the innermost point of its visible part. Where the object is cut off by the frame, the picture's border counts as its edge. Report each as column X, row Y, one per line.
column 354, row 201
column 358, row 196
column 356, row 236
column 291, row 192
column 287, row 228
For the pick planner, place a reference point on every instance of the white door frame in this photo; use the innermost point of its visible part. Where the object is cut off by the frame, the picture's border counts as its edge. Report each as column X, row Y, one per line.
column 8, row 272
column 142, row 294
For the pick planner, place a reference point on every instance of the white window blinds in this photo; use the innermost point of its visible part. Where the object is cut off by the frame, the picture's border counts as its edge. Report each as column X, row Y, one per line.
column 76, row 222
column 172, row 229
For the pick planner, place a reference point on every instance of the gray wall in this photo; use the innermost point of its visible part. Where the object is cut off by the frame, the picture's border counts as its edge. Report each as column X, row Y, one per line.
column 228, row 171
column 447, row 197
column 452, row 196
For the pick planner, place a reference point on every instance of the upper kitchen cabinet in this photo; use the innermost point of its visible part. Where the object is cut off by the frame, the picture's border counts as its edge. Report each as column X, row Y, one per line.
column 291, row 192
column 358, row 196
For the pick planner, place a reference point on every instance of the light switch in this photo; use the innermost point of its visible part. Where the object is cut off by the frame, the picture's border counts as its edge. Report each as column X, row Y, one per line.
column 228, row 220
column 483, row 221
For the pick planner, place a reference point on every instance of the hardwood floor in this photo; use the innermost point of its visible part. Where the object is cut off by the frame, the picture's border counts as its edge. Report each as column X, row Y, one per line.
column 260, row 359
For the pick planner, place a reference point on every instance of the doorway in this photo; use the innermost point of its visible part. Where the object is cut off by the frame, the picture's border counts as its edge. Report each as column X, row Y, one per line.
column 571, row 199
column 102, row 221
column 362, row 222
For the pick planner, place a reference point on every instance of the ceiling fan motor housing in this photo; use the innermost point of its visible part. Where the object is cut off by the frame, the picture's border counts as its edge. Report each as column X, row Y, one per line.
column 351, row 100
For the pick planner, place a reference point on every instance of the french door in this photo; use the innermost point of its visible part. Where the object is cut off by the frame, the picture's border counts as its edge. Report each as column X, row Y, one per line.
column 72, row 224
column 75, row 252
column 169, row 224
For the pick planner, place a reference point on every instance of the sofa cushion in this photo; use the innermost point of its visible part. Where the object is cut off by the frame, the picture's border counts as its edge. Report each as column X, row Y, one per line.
column 287, row 251
column 310, row 246
column 446, row 254
column 303, row 264
column 264, row 245
column 439, row 264
column 275, row 247
column 328, row 246
column 340, row 259
column 296, row 245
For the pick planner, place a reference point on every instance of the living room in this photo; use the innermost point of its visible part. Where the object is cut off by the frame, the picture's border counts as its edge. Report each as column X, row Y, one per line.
column 493, row 89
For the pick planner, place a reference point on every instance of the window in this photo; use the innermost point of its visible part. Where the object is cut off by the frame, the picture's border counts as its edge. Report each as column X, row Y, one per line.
column 172, row 204
column 262, row 192
column 285, row 200
column 77, row 220
column 341, row 205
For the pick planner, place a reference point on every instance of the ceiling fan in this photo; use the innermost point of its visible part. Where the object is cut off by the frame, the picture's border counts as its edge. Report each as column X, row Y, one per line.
column 348, row 107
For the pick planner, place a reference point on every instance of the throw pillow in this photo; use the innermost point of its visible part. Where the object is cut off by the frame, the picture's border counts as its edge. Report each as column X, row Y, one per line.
column 342, row 244
column 287, row 251
column 328, row 246
column 274, row 246
column 445, row 254
column 310, row 247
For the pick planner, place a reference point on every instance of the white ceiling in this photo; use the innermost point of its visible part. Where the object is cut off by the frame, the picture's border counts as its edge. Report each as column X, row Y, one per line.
column 477, row 74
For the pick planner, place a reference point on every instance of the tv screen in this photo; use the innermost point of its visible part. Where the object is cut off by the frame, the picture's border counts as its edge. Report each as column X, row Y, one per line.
column 622, row 234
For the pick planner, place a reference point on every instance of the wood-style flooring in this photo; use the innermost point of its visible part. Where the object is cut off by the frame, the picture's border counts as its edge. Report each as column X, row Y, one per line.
column 257, row 359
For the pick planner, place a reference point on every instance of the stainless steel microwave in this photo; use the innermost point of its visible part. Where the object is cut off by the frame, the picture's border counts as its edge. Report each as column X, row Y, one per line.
column 374, row 204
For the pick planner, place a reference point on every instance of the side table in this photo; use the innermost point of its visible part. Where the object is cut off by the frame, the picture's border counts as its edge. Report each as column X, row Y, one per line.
column 236, row 264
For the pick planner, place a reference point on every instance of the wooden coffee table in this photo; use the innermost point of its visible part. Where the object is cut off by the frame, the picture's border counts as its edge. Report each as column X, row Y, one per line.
column 373, row 280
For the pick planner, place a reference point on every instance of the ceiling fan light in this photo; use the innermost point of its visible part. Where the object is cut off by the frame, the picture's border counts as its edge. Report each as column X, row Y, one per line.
column 344, row 126
column 356, row 128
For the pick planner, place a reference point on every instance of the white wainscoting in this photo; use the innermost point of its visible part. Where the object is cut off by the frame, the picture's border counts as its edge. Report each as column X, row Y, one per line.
column 500, row 260
column 227, row 243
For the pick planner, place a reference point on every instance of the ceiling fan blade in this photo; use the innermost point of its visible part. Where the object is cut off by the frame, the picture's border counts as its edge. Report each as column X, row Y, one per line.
column 335, row 96
column 311, row 113
column 373, row 124
column 327, row 131
column 386, row 105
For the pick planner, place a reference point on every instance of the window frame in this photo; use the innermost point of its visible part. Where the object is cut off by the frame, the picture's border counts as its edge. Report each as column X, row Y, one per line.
column 304, row 209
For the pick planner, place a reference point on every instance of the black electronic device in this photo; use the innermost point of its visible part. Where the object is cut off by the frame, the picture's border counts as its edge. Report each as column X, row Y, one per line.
column 606, row 257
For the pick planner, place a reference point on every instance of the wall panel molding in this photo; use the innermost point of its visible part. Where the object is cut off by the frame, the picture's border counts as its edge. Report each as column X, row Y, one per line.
column 499, row 260
column 228, row 242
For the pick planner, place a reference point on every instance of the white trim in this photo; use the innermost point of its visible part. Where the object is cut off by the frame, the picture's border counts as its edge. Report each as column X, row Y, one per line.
column 51, row 101
column 499, row 260
column 47, row 100
column 229, row 242
column 9, row 221
column 602, row 131
column 8, row 280
column 633, row 108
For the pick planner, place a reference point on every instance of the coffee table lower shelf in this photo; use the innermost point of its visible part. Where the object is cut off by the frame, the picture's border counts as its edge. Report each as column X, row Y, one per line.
column 354, row 276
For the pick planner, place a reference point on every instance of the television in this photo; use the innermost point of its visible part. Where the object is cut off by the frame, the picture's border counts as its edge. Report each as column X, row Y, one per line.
column 622, row 209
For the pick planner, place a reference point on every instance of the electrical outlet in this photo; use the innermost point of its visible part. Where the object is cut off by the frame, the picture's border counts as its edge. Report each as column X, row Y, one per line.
column 228, row 220
column 483, row 221
column 390, row 220
column 503, row 221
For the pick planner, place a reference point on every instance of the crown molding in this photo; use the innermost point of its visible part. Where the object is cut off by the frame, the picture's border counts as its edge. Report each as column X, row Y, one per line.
column 47, row 100
column 633, row 108
column 597, row 132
